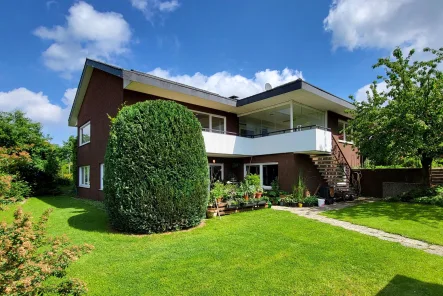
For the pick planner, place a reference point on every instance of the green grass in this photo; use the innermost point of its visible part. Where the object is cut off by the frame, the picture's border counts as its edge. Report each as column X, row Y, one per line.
column 263, row 252
column 423, row 222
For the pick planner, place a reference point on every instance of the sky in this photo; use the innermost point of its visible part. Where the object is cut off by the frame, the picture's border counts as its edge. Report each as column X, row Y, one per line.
column 231, row 47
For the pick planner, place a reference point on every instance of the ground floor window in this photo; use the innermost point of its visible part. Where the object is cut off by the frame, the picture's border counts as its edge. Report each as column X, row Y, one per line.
column 84, row 176
column 268, row 172
column 102, row 173
column 216, row 172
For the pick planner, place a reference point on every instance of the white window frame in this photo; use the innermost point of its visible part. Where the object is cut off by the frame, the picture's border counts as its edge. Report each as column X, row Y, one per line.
column 102, row 173
column 261, row 171
column 81, row 177
column 210, row 120
column 344, row 133
column 219, row 165
column 80, row 140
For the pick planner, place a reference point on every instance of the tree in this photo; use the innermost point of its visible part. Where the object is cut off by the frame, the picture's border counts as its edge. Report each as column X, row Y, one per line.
column 406, row 120
column 156, row 170
column 21, row 136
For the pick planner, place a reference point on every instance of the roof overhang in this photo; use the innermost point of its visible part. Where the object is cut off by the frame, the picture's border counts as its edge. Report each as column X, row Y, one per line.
column 153, row 85
column 298, row 91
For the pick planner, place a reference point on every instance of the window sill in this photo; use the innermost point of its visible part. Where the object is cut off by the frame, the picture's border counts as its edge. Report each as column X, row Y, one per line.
column 83, row 144
column 84, row 186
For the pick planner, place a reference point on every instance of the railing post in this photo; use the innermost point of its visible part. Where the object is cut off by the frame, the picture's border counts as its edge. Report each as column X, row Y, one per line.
column 291, row 114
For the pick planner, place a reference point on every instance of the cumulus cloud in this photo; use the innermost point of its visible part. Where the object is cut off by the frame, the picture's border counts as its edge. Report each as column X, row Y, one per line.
column 385, row 23
column 361, row 95
column 37, row 106
column 87, row 33
column 227, row 84
column 151, row 7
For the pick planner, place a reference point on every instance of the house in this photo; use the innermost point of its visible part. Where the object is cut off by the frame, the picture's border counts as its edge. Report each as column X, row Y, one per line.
column 278, row 133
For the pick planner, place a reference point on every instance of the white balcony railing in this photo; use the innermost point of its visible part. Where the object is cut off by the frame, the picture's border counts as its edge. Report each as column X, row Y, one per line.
column 313, row 140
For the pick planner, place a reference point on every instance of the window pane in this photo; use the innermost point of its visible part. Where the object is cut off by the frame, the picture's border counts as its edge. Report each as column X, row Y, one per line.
column 102, row 173
column 253, row 169
column 85, row 134
column 215, row 173
column 270, row 173
column 204, row 120
column 341, row 130
column 266, row 121
column 218, row 124
column 304, row 116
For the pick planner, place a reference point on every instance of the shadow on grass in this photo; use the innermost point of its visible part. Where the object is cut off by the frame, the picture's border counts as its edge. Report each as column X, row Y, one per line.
column 403, row 285
column 424, row 214
column 88, row 215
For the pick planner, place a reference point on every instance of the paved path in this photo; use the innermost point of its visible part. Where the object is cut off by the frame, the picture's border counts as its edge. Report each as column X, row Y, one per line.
column 313, row 213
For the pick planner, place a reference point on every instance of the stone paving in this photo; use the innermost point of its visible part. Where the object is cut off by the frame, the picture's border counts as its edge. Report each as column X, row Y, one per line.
column 313, row 213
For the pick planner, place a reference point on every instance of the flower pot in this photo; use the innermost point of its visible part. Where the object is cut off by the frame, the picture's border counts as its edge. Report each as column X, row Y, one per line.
column 300, row 205
column 219, row 199
column 246, row 197
column 321, row 202
column 258, row 194
column 282, row 203
column 269, row 205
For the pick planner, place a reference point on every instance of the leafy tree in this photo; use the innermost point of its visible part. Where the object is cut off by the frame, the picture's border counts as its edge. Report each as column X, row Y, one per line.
column 406, row 120
column 19, row 136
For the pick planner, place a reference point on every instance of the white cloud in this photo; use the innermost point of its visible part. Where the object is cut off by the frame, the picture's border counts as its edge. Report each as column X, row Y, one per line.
column 87, row 33
column 385, row 23
column 361, row 95
column 151, row 7
column 37, row 107
column 226, row 84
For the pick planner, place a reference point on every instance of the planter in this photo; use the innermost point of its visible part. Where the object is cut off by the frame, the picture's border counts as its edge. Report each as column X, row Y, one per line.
column 300, row 205
column 219, row 199
column 211, row 214
column 262, row 202
column 282, row 203
column 269, row 205
column 321, row 202
column 246, row 197
column 258, row 194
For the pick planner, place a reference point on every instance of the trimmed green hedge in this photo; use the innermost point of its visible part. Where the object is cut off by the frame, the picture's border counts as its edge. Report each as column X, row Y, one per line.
column 156, row 169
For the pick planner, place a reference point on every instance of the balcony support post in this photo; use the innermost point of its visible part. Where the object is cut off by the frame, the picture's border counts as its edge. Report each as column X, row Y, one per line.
column 291, row 114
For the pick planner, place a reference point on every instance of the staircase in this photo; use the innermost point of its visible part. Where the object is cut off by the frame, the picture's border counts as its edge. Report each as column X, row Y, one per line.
column 333, row 172
column 437, row 176
column 335, row 169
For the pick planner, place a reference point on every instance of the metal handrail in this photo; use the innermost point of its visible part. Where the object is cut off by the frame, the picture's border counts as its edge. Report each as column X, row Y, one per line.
column 295, row 129
column 340, row 157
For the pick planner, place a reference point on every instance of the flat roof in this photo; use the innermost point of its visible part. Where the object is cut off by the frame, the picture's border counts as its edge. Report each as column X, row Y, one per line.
column 141, row 78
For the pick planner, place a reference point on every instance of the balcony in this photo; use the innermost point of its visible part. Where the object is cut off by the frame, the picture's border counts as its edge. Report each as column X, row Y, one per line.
column 308, row 139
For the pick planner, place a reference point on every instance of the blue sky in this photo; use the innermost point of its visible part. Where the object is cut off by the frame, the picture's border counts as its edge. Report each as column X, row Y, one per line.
column 233, row 46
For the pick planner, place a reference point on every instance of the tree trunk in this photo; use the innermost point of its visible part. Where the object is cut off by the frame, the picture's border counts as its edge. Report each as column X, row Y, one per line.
column 426, row 163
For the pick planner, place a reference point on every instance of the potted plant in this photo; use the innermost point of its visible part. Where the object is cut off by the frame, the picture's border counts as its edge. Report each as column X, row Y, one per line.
column 298, row 192
column 243, row 190
column 259, row 192
column 218, row 191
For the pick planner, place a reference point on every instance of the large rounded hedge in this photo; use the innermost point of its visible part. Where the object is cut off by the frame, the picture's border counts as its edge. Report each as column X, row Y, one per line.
column 156, row 170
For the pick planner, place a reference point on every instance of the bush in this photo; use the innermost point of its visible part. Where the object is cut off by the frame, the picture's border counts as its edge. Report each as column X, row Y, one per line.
column 12, row 190
column 423, row 195
column 157, row 176
column 28, row 257
column 311, row 201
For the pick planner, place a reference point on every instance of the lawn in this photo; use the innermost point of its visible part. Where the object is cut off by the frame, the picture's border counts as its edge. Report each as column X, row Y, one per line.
column 263, row 252
column 423, row 222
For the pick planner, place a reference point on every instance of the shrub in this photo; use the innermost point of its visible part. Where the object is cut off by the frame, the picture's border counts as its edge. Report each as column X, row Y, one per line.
column 12, row 190
column 311, row 201
column 157, row 176
column 28, row 257
column 254, row 180
column 423, row 195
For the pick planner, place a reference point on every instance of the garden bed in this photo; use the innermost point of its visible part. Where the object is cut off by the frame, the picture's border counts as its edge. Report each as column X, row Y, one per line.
column 225, row 208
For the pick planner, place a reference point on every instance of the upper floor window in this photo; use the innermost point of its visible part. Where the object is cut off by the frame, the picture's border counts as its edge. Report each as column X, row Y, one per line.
column 343, row 136
column 211, row 123
column 85, row 133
